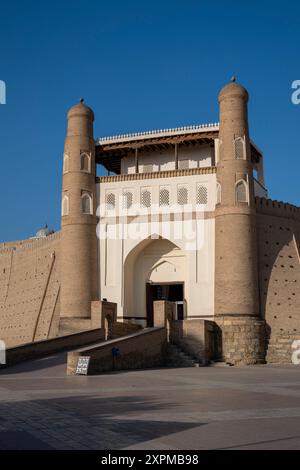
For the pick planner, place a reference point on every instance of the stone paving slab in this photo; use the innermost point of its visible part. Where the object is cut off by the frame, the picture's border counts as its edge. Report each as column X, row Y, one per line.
column 252, row 407
column 21, row 440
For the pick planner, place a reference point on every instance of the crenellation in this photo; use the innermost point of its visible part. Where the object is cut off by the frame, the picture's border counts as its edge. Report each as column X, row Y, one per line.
column 278, row 208
column 29, row 244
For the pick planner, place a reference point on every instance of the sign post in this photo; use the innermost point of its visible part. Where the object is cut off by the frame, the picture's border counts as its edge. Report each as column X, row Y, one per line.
column 83, row 365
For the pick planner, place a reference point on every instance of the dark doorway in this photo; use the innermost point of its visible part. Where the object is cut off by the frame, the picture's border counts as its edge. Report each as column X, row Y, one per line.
column 171, row 292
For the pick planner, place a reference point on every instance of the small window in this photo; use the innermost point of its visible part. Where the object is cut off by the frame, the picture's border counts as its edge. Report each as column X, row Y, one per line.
column 86, row 203
column 202, row 194
column 182, row 196
column 183, row 164
column 241, row 191
column 148, row 168
column 127, row 200
column 65, row 205
column 164, row 197
column 66, row 163
column 85, row 162
column 218, row 190
column 110, row 201
column 239, row 148
column 145, row 198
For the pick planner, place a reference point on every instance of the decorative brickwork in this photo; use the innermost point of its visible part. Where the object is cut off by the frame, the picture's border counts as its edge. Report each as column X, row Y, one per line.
column 78, row 226
column 156, row 174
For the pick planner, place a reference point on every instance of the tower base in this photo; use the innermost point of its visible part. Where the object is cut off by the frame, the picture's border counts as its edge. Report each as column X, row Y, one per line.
column 243, row 339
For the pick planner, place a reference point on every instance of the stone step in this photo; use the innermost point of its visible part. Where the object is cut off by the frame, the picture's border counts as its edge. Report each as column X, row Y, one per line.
column 218, row 364
column 178, row 358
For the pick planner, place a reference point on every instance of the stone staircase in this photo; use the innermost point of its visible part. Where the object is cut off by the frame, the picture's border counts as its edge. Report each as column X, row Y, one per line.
column 219, row 364
column 175, row 357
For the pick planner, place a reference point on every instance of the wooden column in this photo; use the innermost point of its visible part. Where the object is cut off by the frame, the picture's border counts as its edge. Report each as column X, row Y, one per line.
column 136, row 160
column 212, row 154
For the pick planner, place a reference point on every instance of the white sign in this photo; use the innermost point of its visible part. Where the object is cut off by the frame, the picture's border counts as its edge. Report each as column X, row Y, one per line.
column 83, row 365
column 2, row 352
column 296, row 352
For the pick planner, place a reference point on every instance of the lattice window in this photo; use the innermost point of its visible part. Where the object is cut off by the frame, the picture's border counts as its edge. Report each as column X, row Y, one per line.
column 202, row 194
column 241, row 191
column 164, row 197
column 148, row 168
column 239, row 148
column 183, row 164
column 86, row 203
column 127, row 200
column 182, row 195
column 110, row 201
column 65, row 205
column 66, row 163
column 146, row 198
column 85, row 162
column 218, row 190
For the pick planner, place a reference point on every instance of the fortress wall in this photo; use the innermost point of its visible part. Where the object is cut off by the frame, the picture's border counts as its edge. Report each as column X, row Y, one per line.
column 29, row 290
column 17, row 244
column 279, row 275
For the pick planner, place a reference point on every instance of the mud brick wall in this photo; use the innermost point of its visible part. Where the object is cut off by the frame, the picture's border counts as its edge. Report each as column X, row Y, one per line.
column 120, row 329
column 29, row 290
column 142, row 349
column 279, row 275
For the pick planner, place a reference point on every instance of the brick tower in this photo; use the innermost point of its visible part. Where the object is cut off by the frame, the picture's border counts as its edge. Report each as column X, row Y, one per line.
column 78, row 222
column 236, row 270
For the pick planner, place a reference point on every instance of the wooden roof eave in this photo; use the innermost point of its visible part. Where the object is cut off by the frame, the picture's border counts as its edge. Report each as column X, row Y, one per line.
column 110, row 155
column 170, row 140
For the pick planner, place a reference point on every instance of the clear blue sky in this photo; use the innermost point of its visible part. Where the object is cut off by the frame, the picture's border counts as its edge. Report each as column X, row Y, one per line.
column 140, row 65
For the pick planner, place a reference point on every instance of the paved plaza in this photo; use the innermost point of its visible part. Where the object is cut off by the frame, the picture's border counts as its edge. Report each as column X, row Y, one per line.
column 255, row 407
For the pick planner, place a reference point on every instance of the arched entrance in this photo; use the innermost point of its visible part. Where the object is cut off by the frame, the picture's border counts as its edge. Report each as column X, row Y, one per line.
column 154, row 270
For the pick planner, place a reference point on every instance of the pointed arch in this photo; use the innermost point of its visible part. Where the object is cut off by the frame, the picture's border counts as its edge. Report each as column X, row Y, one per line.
column 145, row 198
column 85, row 162
column 239, row 144
column 241, row 191
column 86, row 203
column 127, row 199
column 164, row 197
column 110, row 201
column 140, row 267
column 158, row 265
column 66, row 163
column 65, row 205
